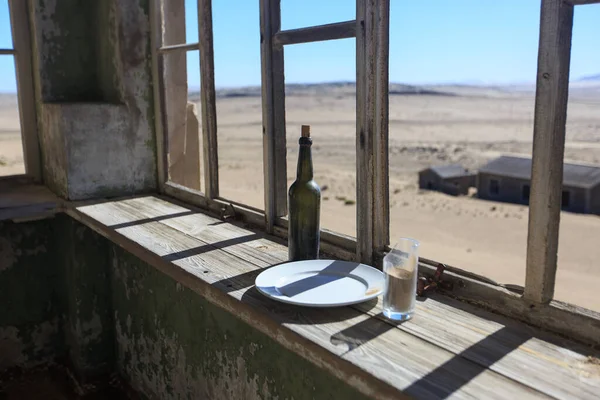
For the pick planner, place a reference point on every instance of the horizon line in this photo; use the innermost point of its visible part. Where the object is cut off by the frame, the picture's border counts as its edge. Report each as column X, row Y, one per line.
column 589, row 78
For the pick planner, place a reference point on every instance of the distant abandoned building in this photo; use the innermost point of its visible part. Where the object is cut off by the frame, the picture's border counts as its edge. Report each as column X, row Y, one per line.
column 507, row 179
column 450, row 179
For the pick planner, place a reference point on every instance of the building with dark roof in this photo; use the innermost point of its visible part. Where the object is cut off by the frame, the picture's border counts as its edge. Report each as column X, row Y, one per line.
column 508, row 178
column 450, row 179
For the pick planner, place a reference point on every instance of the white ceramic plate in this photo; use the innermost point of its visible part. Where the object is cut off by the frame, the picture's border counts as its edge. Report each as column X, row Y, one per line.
column 321, row 283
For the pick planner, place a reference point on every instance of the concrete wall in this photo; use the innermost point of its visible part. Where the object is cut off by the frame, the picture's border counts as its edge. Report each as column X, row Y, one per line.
column 83, row 258
column 171, row 343
column 94, row 54
column 55, row 297
column 30, row 296
column 70, row 296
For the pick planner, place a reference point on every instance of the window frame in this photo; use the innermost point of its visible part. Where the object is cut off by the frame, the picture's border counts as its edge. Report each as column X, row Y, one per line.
column 371, row 29
column 372, row 43
column 23, row 59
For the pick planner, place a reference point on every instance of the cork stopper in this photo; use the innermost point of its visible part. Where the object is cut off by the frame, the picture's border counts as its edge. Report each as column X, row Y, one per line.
column 306, row 131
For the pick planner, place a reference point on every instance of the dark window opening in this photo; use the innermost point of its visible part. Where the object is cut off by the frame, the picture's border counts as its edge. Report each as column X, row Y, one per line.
column 525, row 192
column 494, row 186
column 566, row 198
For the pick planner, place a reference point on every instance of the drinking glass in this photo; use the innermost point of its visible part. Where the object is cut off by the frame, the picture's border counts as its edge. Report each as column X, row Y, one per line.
column 400, row 267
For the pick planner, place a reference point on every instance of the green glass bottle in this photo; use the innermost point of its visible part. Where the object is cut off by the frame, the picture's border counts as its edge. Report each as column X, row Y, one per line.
column 304, row 204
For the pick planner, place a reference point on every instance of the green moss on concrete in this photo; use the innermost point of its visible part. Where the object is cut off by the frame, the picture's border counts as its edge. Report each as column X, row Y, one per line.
column 83, row 255
column 30, row 295
column 67, row 58
column 174, row 344
column 107, row 42
column 120, row 313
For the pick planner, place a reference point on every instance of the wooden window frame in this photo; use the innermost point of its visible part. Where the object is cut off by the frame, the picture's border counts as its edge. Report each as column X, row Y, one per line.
column 371, row 30
column 21, row 51
column 534, row 303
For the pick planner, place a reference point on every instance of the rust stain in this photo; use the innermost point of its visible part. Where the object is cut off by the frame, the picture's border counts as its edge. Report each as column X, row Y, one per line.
column 593, row 360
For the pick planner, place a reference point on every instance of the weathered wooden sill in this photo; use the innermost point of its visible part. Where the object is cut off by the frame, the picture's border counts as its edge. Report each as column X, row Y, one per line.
column 450, row 349
column 21, row 199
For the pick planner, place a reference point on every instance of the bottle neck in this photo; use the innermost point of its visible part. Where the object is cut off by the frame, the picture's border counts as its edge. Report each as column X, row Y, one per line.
column 305, row 167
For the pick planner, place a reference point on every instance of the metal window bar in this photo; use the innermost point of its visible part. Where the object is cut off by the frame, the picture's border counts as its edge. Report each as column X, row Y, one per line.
column 7, row 52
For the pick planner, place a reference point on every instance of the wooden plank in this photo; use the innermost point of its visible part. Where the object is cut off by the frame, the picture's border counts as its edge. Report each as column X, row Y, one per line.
column 519, row 349
column 175, row 90
column 273, row 108
column 556, row 316
column 365, row 79
column 328, row 249
column 208, row 99
column 179, row 47
column 17, row 194
column 21, row 33
column 266, row 69
column 369, row 354
column 381, row 192
column 7, row 52
column 21, row 200
column 522, row 349
column 279, row 125
column 158, row 91
column 192, row 148
column 319, row 33
column 552, row 92
column 333, row 244
column 509, row 348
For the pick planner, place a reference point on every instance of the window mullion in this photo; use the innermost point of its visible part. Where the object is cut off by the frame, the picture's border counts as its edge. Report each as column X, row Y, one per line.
column 366, row 54
column 556, row 25
column 24, row 70
column 381, row 196
column 208, row 99
column 273, row 107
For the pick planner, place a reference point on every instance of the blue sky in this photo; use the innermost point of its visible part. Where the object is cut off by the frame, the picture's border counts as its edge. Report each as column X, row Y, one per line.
column 431, row 41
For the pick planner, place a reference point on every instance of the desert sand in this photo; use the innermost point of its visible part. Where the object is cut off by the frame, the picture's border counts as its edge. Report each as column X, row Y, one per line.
column 428, row 126
column 11, row 149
